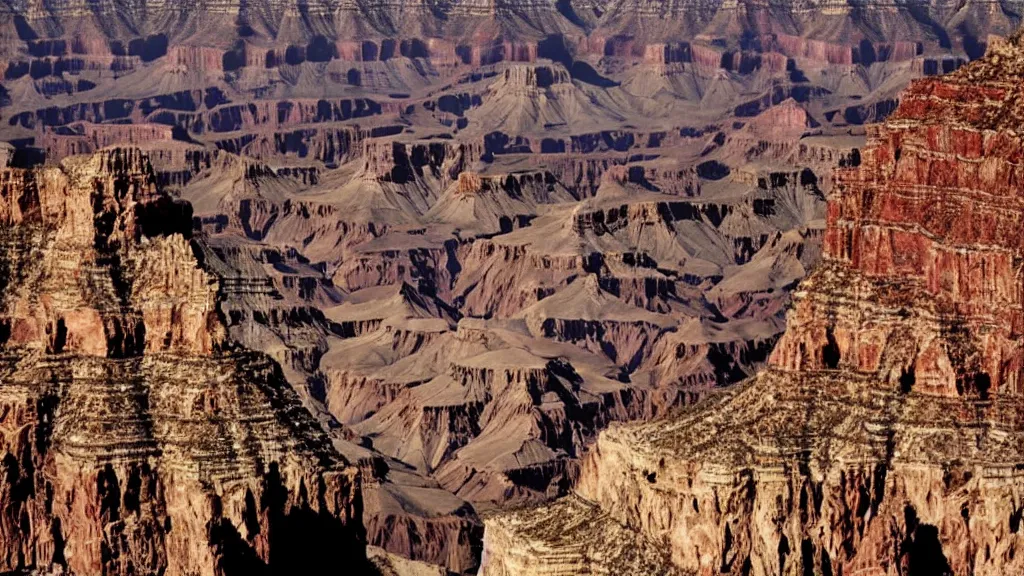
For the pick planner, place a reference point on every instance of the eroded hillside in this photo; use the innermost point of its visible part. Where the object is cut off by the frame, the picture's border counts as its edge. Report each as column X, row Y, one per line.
column 468, row 236
column 885, row 436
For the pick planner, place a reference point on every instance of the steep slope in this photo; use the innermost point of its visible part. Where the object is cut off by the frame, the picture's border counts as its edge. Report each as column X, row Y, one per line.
column 135, row 440
column 478, row 232
column 885, row 438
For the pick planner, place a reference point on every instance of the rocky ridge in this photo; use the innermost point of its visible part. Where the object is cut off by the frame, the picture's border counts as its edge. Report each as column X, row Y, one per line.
column 885, row 437
column 135, row 440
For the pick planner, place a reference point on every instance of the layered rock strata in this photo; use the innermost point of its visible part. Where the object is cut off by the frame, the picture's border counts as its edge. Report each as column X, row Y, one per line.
column 885, row 438
column 135, row 440
column 627, row 191
column 589, row 305
column 310, row 82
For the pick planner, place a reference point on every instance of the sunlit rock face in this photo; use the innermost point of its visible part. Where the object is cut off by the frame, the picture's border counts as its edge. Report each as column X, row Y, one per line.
column 135, row 441
column 886, row 435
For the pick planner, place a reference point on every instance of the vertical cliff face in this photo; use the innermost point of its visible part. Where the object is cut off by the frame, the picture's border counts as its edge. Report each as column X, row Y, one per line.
column 886, row 436
column 935, row 206
column 134, row 441
column 98, row 263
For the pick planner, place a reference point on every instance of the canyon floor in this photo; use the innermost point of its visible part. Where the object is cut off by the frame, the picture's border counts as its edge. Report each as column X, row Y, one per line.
column 460, row 245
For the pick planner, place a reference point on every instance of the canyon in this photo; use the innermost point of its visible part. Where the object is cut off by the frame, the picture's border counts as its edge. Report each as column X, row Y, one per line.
column 426, row 288
column 884, row 436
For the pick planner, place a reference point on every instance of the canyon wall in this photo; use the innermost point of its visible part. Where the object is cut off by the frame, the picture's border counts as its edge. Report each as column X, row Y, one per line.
column 135, row 440
column 885, row 436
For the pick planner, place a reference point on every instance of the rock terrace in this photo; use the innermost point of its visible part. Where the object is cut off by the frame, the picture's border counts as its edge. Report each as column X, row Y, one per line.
column 886, row 435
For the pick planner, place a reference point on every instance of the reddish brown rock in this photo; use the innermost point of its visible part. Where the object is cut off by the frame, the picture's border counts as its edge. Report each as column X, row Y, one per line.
column 956, row 251
column 816, row 50
column 886, row 436
column 86, row 138
column 199, row 59
column 136, row 442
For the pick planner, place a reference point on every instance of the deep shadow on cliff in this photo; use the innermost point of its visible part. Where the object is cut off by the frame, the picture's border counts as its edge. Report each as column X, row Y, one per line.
column 135, row 442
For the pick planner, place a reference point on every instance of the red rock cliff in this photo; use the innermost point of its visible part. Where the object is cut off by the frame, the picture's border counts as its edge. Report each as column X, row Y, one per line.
column 930, row 227
column 886, row 437
column 132, row 440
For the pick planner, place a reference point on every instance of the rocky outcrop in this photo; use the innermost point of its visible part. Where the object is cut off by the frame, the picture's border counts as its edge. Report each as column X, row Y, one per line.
column 523, row 78
column 528, row 542
column 136, row 440
column 86, row 138
column 621, row 196
column 401, row 162
column 388, row 564
column 884, row 437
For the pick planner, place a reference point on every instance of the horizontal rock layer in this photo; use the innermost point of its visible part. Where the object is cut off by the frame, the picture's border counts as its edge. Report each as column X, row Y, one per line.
column 135, row 441
column 885, row 437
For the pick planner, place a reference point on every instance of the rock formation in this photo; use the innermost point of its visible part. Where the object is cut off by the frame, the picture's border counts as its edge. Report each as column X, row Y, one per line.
column 467, row 235
column 135, row 440
column 375, row 336
column 311, row 81
column 884, row 437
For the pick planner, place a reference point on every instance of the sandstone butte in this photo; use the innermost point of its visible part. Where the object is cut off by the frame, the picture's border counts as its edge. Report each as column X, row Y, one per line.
column 134, row 440
column 886, row 437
